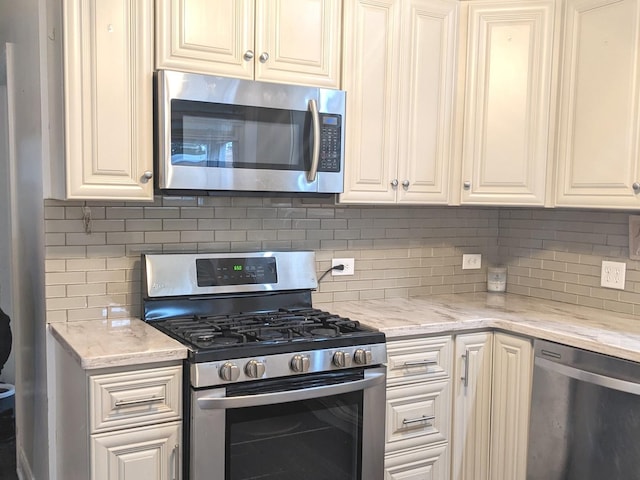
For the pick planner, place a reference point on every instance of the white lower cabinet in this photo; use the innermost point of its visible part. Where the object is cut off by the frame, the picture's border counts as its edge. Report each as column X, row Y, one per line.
column 458, row 407
column 492, row 395
column 117, row 423
column 472, row 406
column 418, row 422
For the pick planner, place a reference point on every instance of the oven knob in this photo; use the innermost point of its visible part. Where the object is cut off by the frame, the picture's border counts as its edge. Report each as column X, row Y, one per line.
column 229, row 372
column 362, row 356
column 342, row 359
column 254, row 369
column 300, row 363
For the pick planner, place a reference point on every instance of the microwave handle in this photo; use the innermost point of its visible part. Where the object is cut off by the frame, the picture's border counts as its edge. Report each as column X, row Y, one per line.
column 315, row 155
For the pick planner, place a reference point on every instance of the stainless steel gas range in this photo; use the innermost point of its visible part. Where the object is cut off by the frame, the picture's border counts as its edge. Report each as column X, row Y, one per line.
column 274, row 388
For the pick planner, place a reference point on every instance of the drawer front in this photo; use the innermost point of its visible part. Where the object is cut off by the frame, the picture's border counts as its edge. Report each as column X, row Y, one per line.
column 132, row 399
column 418, row 415
column 419, row 359
column 430, row 463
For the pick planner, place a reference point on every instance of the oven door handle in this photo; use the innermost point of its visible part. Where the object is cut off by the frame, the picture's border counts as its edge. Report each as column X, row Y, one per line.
column 370, row 380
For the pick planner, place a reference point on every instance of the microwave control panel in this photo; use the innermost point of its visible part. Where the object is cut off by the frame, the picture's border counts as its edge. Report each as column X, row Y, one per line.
column 330, row 143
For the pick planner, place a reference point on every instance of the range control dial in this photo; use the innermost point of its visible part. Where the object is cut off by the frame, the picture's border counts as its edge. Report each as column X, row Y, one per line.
column 229, row 372
column 300, row 363
column 362, row 356
column 254, row 369
column 342, row 359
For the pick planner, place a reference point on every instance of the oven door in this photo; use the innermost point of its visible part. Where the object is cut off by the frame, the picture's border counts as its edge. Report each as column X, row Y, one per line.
column 314, row 427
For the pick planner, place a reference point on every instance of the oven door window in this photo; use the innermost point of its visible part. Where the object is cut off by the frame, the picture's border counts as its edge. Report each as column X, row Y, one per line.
column 238, row 136
column 315, row 439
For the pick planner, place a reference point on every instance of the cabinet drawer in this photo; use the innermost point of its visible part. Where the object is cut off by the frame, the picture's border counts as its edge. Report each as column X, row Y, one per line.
column 418, row 415
column 131, row 399
column 430, row 463
column 419, row 359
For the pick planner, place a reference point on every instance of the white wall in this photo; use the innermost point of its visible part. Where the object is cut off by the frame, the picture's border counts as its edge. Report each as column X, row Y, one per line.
column 19, row 25
column 8, row 372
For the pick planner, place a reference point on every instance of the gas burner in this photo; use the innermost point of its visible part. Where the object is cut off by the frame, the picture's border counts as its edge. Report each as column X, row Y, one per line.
column 324, row 332
column 228, row 340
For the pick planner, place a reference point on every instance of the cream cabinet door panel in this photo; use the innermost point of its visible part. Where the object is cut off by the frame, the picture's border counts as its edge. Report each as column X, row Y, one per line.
column 599, row 131
column 430, row 463
column 472, row 406
column 370, row 67
column 133, row 454
column 108, row 71
column 508, row 101
column 298, row 41
column 512, row 375
column 428, row 65
column 202, row 36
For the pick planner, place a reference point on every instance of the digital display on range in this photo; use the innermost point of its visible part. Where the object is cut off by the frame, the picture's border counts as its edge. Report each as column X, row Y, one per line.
column 221, row 272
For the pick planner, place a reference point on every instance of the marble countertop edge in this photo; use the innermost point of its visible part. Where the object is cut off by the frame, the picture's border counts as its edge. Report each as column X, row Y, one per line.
column 96, row 344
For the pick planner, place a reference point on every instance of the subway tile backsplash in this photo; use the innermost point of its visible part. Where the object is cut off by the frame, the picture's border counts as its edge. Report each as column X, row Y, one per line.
column 93, row 268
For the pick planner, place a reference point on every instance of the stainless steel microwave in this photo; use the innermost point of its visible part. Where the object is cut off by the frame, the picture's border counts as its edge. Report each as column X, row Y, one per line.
column 218, row 135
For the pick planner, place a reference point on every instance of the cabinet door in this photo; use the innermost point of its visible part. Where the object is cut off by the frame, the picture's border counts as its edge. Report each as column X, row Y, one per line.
column 598, row 157
column 108, row 72
column 202, row 36
column 133, row 454
column 370, row 66
column 512, row 374
column 298, row 41
column 507, row 102
column 427, row 70
column 472, row 406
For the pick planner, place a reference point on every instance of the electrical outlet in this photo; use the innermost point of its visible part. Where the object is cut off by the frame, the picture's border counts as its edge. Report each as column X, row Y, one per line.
column 349, row 266
column 613, row 275
column 471, row 261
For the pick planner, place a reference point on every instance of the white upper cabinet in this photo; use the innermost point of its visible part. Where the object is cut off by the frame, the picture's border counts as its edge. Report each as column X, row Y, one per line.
column 286, row 41
column 507, row 107
column 399, row 70
column 108, row 113
column 599, row 130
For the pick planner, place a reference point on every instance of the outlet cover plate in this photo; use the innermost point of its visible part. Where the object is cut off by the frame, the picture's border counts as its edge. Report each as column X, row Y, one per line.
column 349, row 266
column 471, row 261
column 613, row 274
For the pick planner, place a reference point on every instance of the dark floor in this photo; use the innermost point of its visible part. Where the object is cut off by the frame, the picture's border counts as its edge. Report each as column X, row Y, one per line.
column 7, row 450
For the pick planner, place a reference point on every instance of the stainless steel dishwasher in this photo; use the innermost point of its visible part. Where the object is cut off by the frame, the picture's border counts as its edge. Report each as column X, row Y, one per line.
column 585, row 416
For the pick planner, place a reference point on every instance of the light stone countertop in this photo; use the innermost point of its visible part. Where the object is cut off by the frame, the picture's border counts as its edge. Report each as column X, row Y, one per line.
column 116, row 343
column 583, row 327
column 122, row 342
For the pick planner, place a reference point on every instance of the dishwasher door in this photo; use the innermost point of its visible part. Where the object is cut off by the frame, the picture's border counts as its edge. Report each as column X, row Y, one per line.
column 585, row 416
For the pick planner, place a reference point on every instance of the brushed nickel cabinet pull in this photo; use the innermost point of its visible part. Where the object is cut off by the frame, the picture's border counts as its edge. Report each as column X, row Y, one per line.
column 424, row 418
column 465, row 376
column 129, row 403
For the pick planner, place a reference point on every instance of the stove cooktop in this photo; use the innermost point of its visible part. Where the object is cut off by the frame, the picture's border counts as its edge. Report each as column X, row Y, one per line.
column 229, row 336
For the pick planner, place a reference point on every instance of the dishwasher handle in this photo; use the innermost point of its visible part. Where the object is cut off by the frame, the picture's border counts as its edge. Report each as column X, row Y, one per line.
column 590, row 377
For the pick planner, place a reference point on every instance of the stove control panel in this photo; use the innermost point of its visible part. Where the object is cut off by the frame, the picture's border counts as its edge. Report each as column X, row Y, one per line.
column 280, row 365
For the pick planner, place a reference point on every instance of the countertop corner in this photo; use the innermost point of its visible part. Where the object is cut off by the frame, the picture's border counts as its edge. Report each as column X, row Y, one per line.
column 115, row 343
